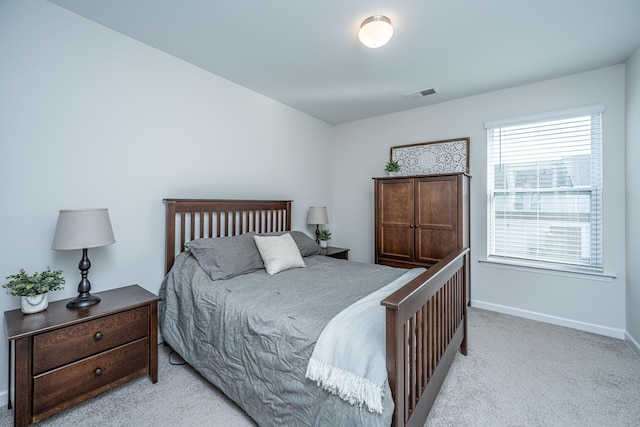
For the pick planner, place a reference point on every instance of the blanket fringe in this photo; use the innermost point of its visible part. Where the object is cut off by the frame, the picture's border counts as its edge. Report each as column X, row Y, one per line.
column 350, row 387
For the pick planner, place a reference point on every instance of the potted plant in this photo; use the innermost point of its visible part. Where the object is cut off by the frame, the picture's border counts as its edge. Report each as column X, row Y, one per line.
column 324, row 236
column 392, row 167
column 34, row 288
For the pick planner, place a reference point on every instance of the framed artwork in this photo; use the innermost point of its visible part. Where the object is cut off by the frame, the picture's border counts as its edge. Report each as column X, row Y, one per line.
column 436, row 157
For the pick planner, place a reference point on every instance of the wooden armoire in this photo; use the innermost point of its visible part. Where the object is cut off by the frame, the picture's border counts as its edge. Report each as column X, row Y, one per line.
column 420, row 219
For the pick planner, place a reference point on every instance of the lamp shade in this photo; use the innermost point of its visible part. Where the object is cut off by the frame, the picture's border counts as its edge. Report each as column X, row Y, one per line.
column 83, row 229
column 317, row 215
column 375, row 31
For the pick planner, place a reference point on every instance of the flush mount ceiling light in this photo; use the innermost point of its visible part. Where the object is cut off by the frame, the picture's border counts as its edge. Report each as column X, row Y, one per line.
column 375, row 31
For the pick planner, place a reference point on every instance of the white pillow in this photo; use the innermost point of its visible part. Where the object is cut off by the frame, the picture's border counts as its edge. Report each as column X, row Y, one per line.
column 279, row 253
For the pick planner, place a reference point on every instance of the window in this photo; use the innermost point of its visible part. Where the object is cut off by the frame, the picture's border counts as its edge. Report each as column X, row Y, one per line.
column 544, row 189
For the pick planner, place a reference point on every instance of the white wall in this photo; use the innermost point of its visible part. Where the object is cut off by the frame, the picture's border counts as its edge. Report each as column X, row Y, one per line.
column 90, row 118
column 633, row 200
column 362, row 148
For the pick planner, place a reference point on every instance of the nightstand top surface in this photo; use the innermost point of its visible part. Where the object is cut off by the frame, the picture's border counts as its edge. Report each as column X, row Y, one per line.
column 57, row 314
column 331, row 250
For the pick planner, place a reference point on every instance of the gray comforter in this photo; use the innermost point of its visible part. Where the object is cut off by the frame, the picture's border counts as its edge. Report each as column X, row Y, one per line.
column 252, row 335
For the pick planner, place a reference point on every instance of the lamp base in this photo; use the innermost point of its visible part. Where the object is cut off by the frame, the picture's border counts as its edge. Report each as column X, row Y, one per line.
column 83, row 301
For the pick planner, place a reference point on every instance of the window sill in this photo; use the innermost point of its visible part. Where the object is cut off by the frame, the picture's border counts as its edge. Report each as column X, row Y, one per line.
column 545, row 269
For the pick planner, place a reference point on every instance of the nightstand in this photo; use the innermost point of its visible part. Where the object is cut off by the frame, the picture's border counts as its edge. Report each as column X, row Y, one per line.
column 64, row 356
column 333, row 252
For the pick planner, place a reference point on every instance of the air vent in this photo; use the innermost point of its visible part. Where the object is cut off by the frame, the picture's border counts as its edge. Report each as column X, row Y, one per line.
column 420, row 93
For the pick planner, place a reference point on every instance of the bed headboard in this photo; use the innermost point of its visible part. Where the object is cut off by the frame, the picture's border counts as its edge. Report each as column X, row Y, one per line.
column 189, row 219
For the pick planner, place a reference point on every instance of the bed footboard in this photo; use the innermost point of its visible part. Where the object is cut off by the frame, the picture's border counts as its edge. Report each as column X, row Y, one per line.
column 426, row 324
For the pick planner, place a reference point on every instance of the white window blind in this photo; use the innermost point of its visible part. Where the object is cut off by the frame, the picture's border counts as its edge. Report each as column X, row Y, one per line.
column 545, row 189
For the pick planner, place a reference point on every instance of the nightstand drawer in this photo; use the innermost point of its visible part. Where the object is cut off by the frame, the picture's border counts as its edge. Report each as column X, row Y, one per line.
column 78, row 381
column 66, row 345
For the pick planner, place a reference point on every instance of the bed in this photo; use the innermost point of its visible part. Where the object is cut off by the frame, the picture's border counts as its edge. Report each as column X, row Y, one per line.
column 253, row 334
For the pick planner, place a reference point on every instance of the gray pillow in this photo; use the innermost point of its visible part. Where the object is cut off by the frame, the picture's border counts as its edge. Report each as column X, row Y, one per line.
column 306, row 244
column 226, row 257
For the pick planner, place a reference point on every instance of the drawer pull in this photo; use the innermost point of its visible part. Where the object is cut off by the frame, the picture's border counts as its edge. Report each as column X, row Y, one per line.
column 97, row 336
column 97, row 372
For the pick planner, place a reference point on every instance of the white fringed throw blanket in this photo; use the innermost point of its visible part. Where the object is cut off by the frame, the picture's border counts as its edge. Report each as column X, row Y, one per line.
column 349, row 358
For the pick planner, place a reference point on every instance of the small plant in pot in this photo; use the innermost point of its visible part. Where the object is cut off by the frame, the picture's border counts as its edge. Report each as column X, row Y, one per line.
column 392, row 167
column 324, row 236
column 34, row 288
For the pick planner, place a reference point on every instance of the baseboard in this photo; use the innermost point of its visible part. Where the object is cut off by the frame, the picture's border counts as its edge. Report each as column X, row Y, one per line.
column 632, row 343
column 560, row 321
column 3, row 399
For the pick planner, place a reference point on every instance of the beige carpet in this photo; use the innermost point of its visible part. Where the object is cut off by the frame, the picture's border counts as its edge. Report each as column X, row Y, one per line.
column 518, row 373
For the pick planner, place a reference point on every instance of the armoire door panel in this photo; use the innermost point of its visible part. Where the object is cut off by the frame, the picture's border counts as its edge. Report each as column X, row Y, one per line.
column 396, row 198
column 435, row 201
column 434, row 244
column 397, row 242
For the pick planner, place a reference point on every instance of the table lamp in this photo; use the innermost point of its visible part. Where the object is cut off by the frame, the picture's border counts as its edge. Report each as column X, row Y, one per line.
column 317, row 215
column 83, row 229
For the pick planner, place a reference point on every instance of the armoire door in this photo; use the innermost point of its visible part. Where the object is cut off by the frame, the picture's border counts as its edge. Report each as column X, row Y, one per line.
column 436, row 217
column 395, row 220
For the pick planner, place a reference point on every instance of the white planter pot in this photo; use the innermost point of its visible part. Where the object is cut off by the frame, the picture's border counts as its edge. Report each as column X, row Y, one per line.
column 34, row 304
column 323, row 244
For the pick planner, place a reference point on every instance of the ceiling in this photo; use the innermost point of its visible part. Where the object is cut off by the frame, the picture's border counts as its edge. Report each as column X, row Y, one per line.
column 306, row 54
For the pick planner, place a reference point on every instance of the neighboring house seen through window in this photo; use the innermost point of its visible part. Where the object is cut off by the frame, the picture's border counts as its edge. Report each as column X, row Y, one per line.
column 544, row 182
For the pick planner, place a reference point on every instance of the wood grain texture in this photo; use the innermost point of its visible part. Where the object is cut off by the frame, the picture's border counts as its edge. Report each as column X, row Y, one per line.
column 67, row 345
column 420, row 220
column 64, row 356
column 426, row 325
column 61, row 388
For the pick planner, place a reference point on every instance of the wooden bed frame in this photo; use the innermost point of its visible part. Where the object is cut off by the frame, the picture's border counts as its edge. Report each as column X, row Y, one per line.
column 426, row 318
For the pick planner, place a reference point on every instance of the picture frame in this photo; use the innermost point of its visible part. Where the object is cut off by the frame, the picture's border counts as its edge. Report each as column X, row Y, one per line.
column 431, row 158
